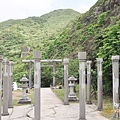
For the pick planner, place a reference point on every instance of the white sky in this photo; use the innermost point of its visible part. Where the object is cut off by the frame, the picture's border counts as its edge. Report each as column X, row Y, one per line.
column 19, row 9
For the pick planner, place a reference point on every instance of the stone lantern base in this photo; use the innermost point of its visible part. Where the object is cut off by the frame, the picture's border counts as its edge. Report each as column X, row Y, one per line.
column 24, row 101
column 72, row 97
column 5, row 114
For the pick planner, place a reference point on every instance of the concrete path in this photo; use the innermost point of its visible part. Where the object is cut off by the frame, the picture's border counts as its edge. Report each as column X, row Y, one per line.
column 52, row 109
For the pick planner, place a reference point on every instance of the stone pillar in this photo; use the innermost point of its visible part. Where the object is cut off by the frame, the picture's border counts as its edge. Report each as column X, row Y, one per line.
column 89, row 82
column 30, row 74
column 37, row 84
column 1, row 58
column 66, row 61
column 99, row 83
column 54, row 70
column 10, row 84
column 115, row 72
column 5, row 87
column 82, row 92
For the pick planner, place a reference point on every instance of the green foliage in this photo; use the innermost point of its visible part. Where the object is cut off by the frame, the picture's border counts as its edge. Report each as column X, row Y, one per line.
column 102, row 19
column 90, row 29
column 73, row 68
column 111, row 47
column 46, row 77
column 59, row 75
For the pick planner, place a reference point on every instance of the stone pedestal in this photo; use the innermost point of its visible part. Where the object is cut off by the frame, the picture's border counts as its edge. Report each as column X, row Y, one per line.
column 25, row 99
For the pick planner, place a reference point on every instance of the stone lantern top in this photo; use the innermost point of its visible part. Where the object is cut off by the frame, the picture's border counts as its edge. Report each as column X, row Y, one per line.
column 72, row 78
column 24, row 79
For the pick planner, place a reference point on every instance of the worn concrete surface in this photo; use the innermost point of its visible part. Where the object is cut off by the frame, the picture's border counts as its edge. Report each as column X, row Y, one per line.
column 52, row 109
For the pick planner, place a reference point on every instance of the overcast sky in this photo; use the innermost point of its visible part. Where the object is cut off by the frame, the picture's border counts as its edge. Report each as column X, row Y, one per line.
column 19, row 9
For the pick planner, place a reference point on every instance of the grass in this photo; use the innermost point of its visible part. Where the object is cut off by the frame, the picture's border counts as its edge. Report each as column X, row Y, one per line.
column 59, row 93
column 107, row 102
column 17, row 94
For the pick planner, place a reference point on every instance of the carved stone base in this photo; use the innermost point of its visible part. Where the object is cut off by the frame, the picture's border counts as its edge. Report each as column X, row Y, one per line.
column 24, row 101
column 82, row 119
column 5, row 114
column 72, row 98
column 89, row 102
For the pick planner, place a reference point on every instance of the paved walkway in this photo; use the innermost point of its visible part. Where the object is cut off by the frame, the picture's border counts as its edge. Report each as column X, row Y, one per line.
column 52, row 109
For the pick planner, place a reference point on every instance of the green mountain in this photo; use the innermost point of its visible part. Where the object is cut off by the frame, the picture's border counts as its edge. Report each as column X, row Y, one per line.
column 35, row 32
column 97, row 32
column 32, row 33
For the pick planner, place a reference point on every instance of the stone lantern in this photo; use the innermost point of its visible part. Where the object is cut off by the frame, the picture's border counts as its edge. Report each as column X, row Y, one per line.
column 25, row 98
column 72, row 96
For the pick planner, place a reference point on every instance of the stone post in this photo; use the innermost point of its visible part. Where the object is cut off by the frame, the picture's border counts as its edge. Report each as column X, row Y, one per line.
column 99, row 83
column 10, row 84
column 66, row 61
column 30, row 74
column 54, row 69
column 89, row 82
column 37, row 84
column 115, row 72
column 5, row 87
column 1, row 58
column 82, row 92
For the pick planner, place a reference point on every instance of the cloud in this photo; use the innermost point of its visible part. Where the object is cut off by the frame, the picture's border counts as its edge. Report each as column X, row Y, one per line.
column 83, row 8
column 18, row 9
column 30, row 4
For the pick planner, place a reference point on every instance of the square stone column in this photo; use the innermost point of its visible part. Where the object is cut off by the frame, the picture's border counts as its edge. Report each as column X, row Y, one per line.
column 82, row 91
column 5, row 87
column 54, row 70
column 115, row 73
column 89, row 82
column 30, row 74
column 37, row 84
column 10, row 84
column 99, row 83
column 66, row 61
column 1, row 58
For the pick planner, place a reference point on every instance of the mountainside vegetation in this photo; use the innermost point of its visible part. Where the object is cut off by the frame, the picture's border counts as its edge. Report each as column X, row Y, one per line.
column 97, row 32
column 33, row 33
